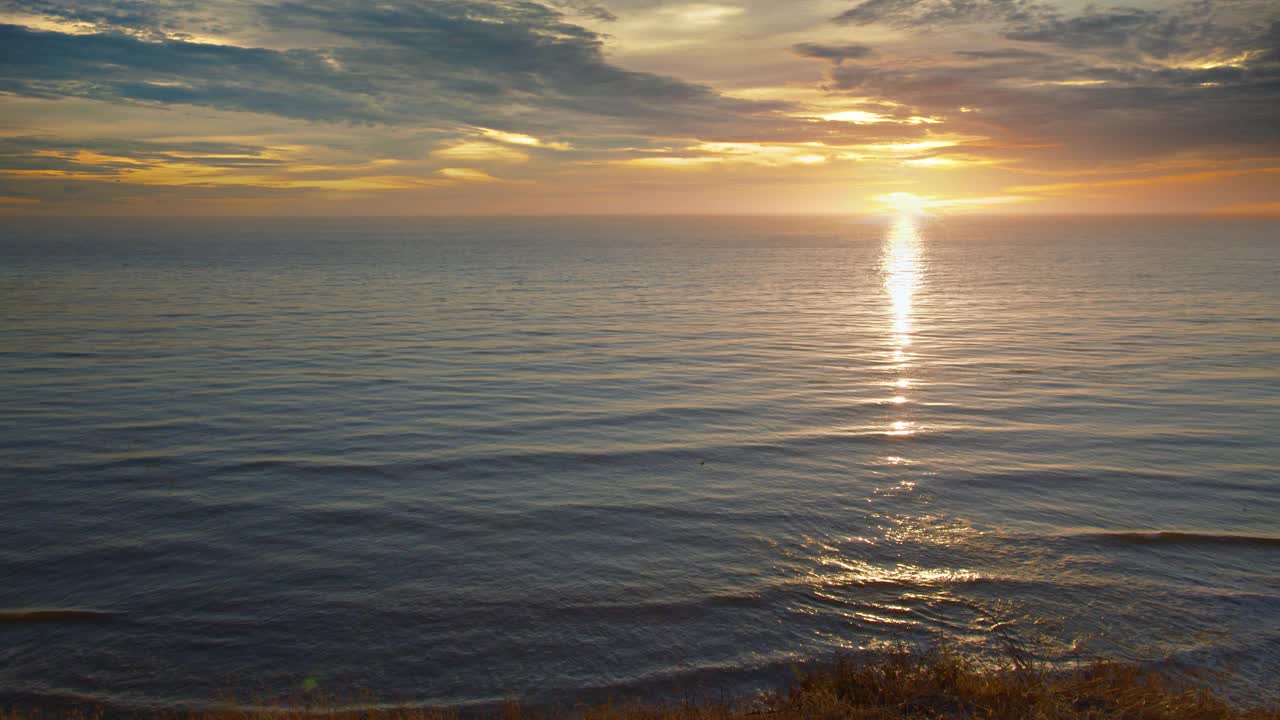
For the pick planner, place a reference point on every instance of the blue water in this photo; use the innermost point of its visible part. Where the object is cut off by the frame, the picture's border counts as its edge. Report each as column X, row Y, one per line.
column 460, row 460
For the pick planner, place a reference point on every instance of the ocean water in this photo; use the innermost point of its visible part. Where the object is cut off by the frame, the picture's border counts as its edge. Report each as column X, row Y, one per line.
column 460, row 460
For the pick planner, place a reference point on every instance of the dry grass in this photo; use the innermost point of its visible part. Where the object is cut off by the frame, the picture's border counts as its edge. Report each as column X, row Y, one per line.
column 898, row 686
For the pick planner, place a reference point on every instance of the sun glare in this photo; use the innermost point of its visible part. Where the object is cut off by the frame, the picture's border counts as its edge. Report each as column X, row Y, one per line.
column 904, row 203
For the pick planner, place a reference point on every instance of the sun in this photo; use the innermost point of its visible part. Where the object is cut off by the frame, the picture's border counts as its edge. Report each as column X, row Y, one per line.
column 904, row 203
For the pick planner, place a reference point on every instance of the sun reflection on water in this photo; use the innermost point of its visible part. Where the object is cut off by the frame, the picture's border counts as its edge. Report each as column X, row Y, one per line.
column 901, row 266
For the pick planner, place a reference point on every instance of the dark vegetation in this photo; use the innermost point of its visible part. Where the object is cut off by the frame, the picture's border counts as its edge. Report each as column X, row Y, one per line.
column 896, row 686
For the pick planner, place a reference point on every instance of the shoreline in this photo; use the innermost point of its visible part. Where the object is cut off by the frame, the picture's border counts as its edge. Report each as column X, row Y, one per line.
column 899, row 684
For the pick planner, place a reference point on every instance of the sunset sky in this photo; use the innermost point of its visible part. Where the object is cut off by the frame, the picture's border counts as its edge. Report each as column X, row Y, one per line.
column 638, row 106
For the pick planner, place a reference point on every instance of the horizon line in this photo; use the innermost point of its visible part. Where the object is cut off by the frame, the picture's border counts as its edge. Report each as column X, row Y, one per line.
column 1206, row 214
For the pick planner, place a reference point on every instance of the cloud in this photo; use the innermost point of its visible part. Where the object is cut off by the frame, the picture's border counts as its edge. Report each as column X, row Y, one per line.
column 467, row 175
column 142, row 19
column 522, row 139
column 914, row 153
column 1002, row 54
column 481, row 151
column 1120, row 84
column 38, row 161
column 1271, row 209
column 1180, row 178
column 586, row 8
column 1108, row 28
column 835, row 53
column 1154, row 33
column 120, row 68
column 108, row 155
column 709, row 154
column 693, row 17
column 471, row 62
column 1093, row 112
column 1270, row 44
column 1163, row 32
column 908, row 13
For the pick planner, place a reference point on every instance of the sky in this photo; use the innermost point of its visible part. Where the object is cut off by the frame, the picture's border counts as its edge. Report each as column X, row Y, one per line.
column 419, row 107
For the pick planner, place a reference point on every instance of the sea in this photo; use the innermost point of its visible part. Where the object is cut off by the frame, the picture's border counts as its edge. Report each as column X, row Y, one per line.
column 465, row 460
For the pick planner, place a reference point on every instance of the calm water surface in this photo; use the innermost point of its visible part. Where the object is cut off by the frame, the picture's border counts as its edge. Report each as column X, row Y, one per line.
column 460, row 460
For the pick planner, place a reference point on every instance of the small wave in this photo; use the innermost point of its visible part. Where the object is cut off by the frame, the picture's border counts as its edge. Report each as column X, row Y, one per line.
column 43, row 615
column 46, row 354
column 1176, row 537
column 664, row 610
column 322, row 467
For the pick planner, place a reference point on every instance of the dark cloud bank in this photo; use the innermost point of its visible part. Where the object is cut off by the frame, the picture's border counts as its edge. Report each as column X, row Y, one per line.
column 1109, row 85
column 477, row 62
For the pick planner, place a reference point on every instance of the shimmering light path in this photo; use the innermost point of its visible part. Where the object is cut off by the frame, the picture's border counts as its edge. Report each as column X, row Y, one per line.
column 902, row 260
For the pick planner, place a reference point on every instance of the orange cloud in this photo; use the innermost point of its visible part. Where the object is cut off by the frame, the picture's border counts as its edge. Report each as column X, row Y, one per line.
column 1262, row 208
column 1069, row 188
